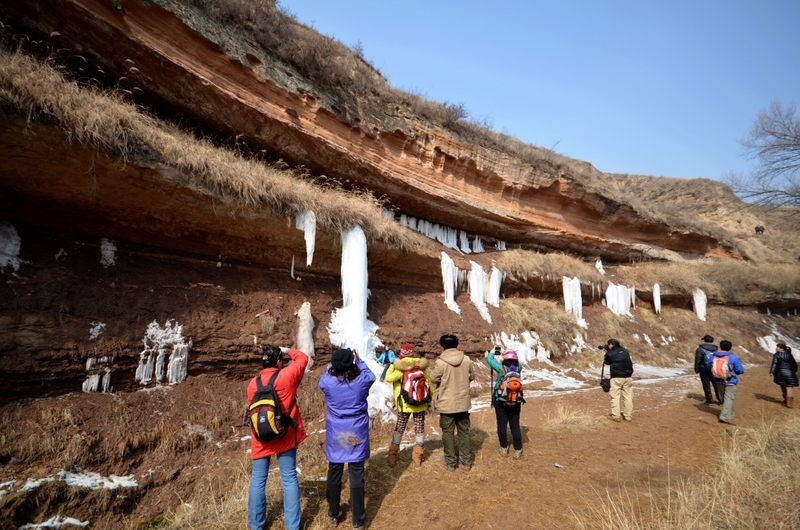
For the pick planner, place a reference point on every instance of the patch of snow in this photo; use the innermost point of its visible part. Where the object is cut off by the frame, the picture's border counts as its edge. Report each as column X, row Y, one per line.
column 664, row 341
column 10, row 245
column 108, row 252
column 450, row 280
column 96, row 329
column 34, row 483
column 648, row 341
column 478, row 285
column 6, row 486
column 644, row 371
column 56, row 521
column 193, row 428
column 307, row 222
column 636, row 337
column 699, row 302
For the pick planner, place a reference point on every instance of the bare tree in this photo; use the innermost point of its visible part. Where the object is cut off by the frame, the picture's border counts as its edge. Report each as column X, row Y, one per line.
column 774, row 141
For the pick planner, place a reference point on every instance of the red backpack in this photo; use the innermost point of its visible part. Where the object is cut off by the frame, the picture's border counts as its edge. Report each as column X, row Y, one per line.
column 414, row 388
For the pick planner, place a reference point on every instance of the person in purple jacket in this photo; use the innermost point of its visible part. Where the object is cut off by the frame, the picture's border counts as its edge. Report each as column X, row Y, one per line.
column 346, row 385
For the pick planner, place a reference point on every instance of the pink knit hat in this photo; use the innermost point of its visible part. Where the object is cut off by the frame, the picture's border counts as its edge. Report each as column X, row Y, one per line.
column 406, row 351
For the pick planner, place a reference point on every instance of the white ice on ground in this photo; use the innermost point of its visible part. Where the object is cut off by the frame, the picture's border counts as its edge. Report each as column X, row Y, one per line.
column 619, row 298
column 450, row 281
column 599, row 266
column 463, row 242
column 493, row 290
column 307, row 222
column 92, row 480
column 108, row 252
column 477, row 246
column 769, row 342
column 349, row 326
column 304, row 338
column 6, row 486
column 648, row 341
column 96, row 329
column 10, row 245
column 657, row 298
column 157, row 342
column 57, row 521
column 573, row 302
column 478, row 285
column 381, row 395
column 699, row 301
column 644, row 371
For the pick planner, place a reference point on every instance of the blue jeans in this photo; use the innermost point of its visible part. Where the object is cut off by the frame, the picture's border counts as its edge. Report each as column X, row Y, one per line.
column 257, row 502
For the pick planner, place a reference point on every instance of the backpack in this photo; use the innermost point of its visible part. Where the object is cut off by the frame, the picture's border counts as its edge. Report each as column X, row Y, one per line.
column 721, row 368
column 414, row 388
column 265, row 414
column 509, row 393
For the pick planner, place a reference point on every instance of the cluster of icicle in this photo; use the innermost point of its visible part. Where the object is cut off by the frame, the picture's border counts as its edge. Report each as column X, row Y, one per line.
column 98, row 374
column 163, row 347
column 528, row 345
column 349, row 326
column 483, row 288
column 449, row 237
column 620, row 299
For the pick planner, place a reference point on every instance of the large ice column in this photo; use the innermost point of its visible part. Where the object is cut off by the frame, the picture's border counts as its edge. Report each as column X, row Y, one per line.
column 307, row 222
column 10, row 245
column 165, row 354
column 450, row 280
column 619, row 299
column 657, row 298
column 493, row 291
column 464, row 242
column 478, row 285
column 573, row 301
column 304, row 339
column 349, row 326
column 700, row 300
column 528, row 345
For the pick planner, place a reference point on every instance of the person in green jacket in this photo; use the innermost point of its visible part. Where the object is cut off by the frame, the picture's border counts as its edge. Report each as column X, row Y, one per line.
column 507, row 415
column 405, row 361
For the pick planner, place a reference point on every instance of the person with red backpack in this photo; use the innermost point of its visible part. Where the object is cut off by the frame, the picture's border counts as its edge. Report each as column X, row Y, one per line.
column 507, row 397
column 277, row 379
column 409, row 377
column 725, row 367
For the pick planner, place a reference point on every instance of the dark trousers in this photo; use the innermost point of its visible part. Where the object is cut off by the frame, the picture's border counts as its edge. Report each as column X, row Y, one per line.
column 705, row 378
column 508, row 416
column 449, row 424
column 334, row 490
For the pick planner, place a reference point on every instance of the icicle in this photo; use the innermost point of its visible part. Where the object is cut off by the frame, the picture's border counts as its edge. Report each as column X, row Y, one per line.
column 573, row 302
column 387, row 214
column 657, row 298
column 501, row 245
column 618, row 299
column 528, row 345
column 153, row 359
column 464, row 242
column 599, row 266
column 450, row 279
column 98, row 380
column 349, row 327
column 699, row 299
column 304, row 339
column 108, row 252
column 10, row 245
column 769, row 313
column 493, row 291
column 478, row 284
column 477, row 246
column 307, row 222
column 291, row 269
column 632, row 292
column 91, row 383
column 178, row 363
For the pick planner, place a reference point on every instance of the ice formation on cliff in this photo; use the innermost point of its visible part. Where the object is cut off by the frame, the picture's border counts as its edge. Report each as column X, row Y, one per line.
column 450, row 280
column 657, row 298
column 108, row 252
column 10, row 245
column 304, row 339
column 477, row 246
column 478, row 285
column 573, row 301
column 620, row 298
column 528, row 346
column 154, row 356
column 700, row 300
column 307, row 222
column 493, row 289
column 599, row 266
column 98, row 374
column 464, row 242
column 349, row 326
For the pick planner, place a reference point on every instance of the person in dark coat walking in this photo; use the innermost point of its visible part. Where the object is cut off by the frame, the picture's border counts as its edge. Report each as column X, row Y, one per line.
column 620, row 370
column 701, row 355
column 346, row 385
column 784, row 372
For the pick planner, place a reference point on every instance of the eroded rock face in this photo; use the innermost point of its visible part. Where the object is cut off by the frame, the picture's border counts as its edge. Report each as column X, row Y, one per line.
column 199, row 69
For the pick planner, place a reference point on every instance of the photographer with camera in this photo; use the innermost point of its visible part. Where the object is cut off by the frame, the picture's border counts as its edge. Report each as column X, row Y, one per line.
column 620, row 370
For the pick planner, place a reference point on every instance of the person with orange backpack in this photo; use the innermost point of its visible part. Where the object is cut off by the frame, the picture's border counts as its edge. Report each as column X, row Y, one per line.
column 409, row 377
column 725, row 368
column 507, row 397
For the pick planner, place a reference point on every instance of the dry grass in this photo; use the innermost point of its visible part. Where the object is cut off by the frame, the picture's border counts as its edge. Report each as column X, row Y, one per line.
column 556, row 328
column 105, row 122
column 565, row 417
column 754, row 486
column 553, row 267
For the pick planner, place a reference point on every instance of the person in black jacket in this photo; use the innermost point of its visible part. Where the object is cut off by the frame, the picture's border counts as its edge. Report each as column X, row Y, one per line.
column 700, row 357
column 620, row 370
column 784, row 372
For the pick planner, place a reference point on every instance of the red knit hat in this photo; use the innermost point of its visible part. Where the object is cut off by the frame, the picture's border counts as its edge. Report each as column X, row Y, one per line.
column 406, row 351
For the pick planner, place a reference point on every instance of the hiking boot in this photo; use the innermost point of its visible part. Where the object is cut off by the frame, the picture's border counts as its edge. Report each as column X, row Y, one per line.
column 518, row 453
column 393, row 451
column 729, row 422
column 333, row 521
column 614, row 418
column 504, row 451
column 416, row 455
column 363, row 526
column 448, row 466
column 627, row 418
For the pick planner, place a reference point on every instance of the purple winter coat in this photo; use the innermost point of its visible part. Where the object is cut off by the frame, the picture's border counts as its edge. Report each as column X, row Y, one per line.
column 347, row 421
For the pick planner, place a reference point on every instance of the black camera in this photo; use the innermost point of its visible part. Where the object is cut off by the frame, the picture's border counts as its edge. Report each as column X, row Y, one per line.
column 603, row 347
column 497, row 350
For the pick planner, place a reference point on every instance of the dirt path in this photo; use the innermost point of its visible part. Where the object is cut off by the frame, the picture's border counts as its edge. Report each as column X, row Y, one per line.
column 672, row 437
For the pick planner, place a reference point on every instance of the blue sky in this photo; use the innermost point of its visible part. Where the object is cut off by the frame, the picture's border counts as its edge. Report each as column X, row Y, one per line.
column 648, row 87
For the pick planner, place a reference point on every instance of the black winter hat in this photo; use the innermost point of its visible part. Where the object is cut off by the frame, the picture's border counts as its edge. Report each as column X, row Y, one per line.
column 342, row 360
column 448, row 341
